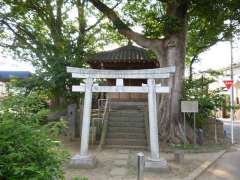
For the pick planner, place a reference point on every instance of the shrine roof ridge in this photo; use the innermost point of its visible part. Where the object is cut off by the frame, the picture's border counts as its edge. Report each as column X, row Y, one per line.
column 126, row 53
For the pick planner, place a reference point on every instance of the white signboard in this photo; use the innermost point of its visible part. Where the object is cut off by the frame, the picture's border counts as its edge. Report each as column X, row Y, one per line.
column 189, row 106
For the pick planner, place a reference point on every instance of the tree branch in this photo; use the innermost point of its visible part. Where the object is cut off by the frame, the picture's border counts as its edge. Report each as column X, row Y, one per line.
column 17, row 34
column 21, row 35
column 124, row 29
column 81, row 23
column 101, row 18
column 53, row 25
column 10, row 46
column 198, row 51
column 59, row 13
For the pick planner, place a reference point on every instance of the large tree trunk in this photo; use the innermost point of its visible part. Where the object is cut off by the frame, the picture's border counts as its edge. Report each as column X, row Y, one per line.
column 169, row 115
column 169, row 112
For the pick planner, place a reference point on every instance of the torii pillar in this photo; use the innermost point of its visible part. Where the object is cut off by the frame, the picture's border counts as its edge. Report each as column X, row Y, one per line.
column 154, row 161
column 84, row 159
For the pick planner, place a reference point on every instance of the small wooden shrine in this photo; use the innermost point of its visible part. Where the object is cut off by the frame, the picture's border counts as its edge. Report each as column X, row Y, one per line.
column 124, row 58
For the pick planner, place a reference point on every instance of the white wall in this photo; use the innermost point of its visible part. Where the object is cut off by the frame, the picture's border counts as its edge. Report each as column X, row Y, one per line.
column 3, row 91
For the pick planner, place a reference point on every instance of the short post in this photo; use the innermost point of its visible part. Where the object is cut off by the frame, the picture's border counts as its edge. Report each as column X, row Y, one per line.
column 72, row 116
column 215, row 133
column 194, row 128
column 184, row 124
column 179, row 156
column 140, row 166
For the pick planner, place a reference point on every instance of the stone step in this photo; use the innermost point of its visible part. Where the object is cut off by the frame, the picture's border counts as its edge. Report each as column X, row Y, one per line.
column 130, row 142
column 95, row 110
column 125, row 119
column 126, row 129
column 127, row 114
column 139, row 124
column 125, row 147
column 128, row 103
column 126, row 135
column 94, row 115
column 130, row 115
column 127, row 110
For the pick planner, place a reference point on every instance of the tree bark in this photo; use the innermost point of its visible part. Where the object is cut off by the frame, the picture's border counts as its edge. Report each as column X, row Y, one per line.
column 170, row 121
column 169, row 105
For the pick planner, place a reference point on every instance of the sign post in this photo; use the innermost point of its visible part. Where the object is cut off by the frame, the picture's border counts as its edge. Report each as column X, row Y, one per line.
column 229, row 85
column 190, row 107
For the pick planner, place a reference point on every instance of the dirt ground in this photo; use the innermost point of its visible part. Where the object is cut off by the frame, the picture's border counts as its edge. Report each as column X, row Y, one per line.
column 109, row 168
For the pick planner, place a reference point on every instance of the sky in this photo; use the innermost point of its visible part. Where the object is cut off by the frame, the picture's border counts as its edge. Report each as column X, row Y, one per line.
column 215, row 58
column 218, row 56
column 7, row 63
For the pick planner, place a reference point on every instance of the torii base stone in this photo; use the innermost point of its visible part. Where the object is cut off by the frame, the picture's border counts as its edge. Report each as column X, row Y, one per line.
column 156, row 164
column 79, row 161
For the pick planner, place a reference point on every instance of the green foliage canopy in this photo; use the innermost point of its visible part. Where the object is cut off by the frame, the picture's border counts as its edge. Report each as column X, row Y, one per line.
column 208, row 22
column 53, row 35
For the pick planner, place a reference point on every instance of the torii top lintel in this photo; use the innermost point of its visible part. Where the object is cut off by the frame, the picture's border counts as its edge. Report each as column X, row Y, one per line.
column 157, row 73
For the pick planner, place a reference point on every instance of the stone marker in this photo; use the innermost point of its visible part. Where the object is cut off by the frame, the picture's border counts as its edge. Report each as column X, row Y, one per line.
column 179, row 157
column 71, row 117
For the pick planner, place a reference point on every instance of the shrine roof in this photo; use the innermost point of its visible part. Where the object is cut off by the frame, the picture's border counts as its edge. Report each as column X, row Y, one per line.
column 127, row 53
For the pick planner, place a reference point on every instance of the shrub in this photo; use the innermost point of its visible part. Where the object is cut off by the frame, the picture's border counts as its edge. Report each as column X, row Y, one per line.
column 208, row 100
column 28, row 153
column 28, row 149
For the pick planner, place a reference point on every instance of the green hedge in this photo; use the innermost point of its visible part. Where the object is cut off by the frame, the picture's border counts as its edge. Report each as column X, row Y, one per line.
column 28, row 149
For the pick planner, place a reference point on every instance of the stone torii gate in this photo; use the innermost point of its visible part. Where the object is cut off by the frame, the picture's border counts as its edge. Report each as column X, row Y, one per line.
column 84, row 159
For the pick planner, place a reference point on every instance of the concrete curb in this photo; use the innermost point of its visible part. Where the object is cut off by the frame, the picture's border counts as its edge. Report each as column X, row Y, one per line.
column 204, row 166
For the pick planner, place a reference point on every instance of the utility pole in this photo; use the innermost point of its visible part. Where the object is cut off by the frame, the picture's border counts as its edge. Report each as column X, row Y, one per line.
column 232, row 89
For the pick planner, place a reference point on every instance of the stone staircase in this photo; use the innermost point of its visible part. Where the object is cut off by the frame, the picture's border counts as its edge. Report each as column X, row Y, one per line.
column 126, row 126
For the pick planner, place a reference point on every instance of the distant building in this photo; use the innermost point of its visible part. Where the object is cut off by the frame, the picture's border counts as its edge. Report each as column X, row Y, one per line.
column 227, row 76
column 236, row 85
column 5, row 76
